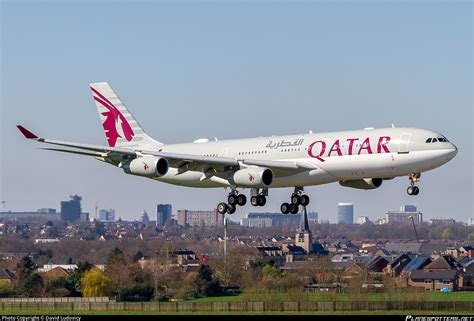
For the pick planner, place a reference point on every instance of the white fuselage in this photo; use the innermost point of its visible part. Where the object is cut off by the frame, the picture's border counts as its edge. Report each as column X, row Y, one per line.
column 329, row 157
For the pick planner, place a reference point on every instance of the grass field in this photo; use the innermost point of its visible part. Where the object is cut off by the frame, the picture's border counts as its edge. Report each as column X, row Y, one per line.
column 320, row 297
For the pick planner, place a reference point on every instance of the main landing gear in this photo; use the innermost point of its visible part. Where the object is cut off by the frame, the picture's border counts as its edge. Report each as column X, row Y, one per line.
column 412, row 189
column 297, row 199
column 233, row 200
column 259, row 197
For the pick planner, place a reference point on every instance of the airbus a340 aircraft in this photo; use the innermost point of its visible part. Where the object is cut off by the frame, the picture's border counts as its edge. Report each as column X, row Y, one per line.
column 360, row 159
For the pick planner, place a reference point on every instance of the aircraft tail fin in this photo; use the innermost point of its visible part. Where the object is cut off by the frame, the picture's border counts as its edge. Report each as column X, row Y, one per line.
column 120, row 127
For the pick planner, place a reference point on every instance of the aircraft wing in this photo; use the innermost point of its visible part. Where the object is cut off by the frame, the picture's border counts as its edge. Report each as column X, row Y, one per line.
column 184, row 162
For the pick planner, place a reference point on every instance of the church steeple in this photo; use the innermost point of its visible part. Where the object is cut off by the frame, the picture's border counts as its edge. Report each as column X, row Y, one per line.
column 304, row 237
column 304, row 225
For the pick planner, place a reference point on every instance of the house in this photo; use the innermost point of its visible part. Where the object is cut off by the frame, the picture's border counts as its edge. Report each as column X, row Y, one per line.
column 453, row 251
column 398, row 264
column 270, row 251
column 463, row 260
column 382, row 252
column 468, row 275
column 417, row 248
column 353, row 270
column 467, row 251
column 55, row 273
column 442, row 263
column 377, row 264
column 417, row 263
column 6, row 277
column 343, row 258
column 434, row 280
column 184, row 257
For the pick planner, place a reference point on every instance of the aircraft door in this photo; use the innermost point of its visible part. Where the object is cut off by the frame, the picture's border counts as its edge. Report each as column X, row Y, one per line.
column 403, row 146
column 224, row 151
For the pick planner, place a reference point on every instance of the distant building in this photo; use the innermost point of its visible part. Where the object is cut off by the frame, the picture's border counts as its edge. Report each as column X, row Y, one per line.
column 408, row 208
column 380, row 221
column 345, row 213
column 270, row 219
column 362, row 220
column 38, row 241
column 256, row 222
column 48, row 214
column 84, row 217
column 403, row 217
column 470, row 222
column 442, row 221
column 47, row 211
column 200, row 218
column 71, row 210
column 144, row 218
column 163, row 213
column 107, row 215
column 313, row 216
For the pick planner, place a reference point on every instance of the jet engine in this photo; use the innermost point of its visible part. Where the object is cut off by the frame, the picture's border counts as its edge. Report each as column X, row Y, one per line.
column 148, row 166
column 366, row 183
column 256, row 177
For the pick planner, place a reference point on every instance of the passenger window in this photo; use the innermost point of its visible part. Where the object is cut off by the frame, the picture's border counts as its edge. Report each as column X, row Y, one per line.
column 434, row 140
column 428, row 140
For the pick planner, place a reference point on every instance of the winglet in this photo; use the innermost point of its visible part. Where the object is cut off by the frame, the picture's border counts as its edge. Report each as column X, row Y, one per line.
column 26, row 132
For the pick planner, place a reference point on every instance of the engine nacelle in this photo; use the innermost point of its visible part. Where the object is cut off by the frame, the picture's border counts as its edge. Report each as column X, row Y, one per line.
column 148, row 166
column 257, row 177
column 366, row 183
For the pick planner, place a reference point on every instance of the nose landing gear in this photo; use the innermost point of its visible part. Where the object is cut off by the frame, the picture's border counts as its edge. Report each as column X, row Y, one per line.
column 413, row 189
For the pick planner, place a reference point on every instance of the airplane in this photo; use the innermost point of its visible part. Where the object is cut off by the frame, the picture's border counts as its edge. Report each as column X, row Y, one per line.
column 360, row 159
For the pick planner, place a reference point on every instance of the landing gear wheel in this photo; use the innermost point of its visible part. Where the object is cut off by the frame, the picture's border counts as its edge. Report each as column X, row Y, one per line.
column 231, row 209
column 261, row 200
column 241, row 200
column 222, row 208
column 254, row 201
column 410, row 190
column 295, row 199
column 285, row 208
column 232, row 199
column 416, row 190
column 294, row 209
column 304, row 200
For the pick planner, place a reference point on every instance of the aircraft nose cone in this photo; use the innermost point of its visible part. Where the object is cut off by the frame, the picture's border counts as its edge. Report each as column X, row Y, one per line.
column 453, row 151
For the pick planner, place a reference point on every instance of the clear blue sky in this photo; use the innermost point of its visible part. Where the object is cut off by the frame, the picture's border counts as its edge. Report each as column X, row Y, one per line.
column 188, row 70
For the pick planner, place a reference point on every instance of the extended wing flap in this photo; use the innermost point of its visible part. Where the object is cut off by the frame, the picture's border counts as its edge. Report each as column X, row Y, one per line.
column 73, row 152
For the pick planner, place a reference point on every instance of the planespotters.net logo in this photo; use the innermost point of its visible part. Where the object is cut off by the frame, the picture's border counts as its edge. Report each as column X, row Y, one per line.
column 438, row 318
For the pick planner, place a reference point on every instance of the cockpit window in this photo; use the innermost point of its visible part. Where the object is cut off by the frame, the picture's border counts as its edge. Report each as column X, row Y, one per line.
column 438, row 139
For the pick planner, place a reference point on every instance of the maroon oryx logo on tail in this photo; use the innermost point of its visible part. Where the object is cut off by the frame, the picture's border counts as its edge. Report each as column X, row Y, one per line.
column 113, row 118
